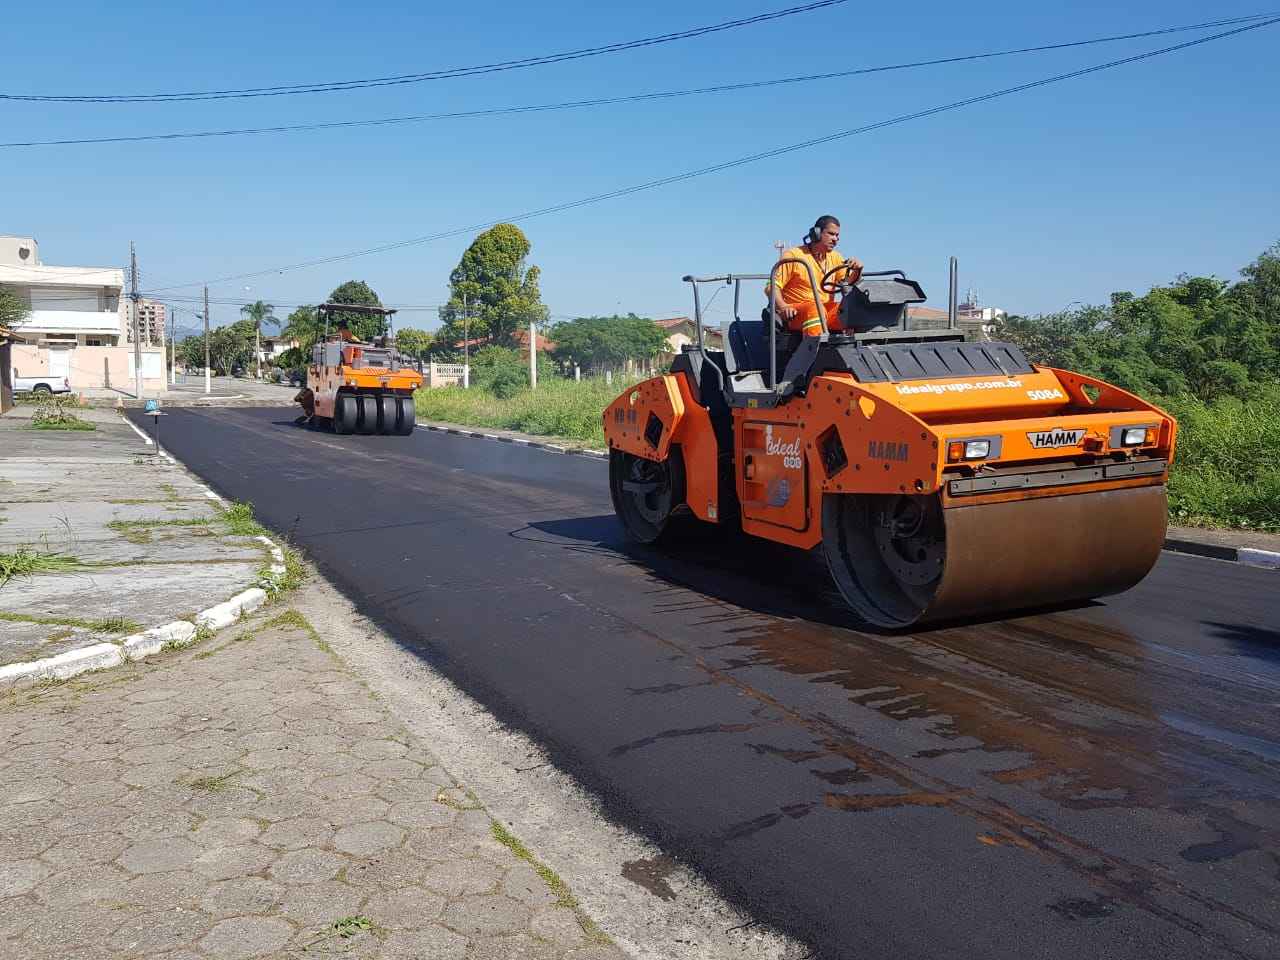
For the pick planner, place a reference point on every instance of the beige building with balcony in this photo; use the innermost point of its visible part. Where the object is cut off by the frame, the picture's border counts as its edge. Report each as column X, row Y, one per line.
column 78, row 324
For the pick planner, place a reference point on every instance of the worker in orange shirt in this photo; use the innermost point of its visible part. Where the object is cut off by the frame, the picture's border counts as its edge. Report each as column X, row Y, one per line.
column 791, row 290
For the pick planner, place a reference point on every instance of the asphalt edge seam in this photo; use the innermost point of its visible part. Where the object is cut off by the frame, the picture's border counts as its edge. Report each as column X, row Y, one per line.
column 521, row 441
column 138, row 646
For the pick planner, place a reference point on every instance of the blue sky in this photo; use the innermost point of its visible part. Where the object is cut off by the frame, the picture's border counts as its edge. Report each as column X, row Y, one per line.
column 1115, row 181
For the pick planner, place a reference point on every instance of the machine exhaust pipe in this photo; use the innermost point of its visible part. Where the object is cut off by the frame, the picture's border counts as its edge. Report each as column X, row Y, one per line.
column 952, row 310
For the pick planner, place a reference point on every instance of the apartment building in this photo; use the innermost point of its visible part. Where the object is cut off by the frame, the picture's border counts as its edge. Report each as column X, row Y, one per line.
column 77, row 325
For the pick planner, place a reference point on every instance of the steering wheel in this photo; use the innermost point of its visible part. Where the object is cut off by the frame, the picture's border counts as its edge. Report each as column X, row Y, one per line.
column 830, row 286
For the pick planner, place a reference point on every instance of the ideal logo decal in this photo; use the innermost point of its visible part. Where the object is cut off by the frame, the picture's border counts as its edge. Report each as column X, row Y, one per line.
column 1042, row 439
column 888, row 450
column 790, row 452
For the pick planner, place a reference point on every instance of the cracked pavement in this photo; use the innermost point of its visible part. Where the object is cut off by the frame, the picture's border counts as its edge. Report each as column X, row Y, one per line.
column 250, row 797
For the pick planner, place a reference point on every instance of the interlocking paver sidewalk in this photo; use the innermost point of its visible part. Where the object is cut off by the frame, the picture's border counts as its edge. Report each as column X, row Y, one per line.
column 249, row 797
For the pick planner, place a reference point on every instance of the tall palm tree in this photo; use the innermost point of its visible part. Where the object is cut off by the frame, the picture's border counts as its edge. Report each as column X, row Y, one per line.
column 259, row 313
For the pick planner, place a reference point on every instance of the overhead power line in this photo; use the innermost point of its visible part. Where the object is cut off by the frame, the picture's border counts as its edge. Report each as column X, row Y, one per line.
column 451, row 73
column 633, row 98
column 742, row 161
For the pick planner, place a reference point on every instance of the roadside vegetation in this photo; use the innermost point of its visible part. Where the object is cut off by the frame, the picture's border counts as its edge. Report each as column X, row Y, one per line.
column 500, row 397
column 26, row 562
column 1208, row 352
column 55, row 414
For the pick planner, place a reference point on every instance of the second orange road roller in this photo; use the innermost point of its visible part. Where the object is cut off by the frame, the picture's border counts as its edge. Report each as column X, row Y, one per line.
column 938, row 477
column 361, row 387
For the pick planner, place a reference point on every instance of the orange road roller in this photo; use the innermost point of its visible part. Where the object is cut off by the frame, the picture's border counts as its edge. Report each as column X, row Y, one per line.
column 937, row 477
column 361, row 387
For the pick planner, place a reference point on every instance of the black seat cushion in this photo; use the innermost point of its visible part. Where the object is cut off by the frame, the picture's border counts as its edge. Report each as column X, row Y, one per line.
column 748, row 341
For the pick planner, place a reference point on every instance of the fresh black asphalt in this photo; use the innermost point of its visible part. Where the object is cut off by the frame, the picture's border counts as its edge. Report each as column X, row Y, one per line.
column 1099, row 781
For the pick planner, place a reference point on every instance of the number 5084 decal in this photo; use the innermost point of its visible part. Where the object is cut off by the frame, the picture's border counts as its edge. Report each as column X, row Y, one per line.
column 1046, row 395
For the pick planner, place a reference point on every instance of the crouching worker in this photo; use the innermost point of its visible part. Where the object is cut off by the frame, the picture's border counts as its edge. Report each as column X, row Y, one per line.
column 792, row 292
column 308, row 401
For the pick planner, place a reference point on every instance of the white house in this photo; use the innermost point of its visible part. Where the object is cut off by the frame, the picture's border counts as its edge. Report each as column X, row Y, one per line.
column 77, row 327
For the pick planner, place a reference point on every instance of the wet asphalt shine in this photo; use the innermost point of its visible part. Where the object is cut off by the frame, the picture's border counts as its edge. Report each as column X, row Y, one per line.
column 1099, row 781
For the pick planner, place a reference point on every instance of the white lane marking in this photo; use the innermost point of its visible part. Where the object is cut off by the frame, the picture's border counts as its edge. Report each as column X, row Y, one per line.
column 145, row 438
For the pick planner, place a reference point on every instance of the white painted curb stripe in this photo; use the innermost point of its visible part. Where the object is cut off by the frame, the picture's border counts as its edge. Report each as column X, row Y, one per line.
column 64, row 665
column 134, row 426
column 100, row 656
column 1259, row 558
column 179, row 634
column 225, row 614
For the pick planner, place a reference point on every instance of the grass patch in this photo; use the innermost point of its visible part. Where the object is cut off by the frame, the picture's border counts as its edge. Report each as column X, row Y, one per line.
column 26, row 562
column 279, row 583
column 239, row 521
column 148, row 524
column 567, row 409
column 213, row 784
column 292, row 619
column 121, row 625
column 564, row 896
column 348, row 927
column 51, row 414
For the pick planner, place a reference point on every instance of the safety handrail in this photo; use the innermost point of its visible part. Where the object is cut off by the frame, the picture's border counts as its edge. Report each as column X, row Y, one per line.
column 736, row 279
column 773, row 314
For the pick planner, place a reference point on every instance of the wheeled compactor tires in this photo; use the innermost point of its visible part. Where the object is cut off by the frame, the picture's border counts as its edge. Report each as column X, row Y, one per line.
column 370, row 413
column 407, row 418
column 345, row 413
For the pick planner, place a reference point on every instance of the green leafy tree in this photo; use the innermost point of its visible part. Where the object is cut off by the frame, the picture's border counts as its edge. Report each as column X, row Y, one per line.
column 230, row 348
column 259, row 313
column 292, row 359
column 302, row 325
column 13, row 309
column 498, row 286
column 358, row 292
column 415, row 343
column 1198, row 336
column 190, row 351
column 595, row 343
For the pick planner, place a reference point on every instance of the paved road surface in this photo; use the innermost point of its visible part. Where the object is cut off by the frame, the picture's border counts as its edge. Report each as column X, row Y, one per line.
column 1095, row 782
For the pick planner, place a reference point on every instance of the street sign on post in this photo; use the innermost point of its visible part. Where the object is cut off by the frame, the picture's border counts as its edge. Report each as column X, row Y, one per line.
column 152, row 409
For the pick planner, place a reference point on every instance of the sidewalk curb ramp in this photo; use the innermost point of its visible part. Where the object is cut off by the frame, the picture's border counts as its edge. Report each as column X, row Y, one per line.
column 1251, row 556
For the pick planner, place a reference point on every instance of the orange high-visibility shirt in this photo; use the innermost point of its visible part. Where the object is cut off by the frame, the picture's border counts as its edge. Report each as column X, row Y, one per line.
column 793, row 284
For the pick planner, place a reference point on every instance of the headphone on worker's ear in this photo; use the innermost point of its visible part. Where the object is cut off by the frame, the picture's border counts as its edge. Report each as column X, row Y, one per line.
column 814, row 235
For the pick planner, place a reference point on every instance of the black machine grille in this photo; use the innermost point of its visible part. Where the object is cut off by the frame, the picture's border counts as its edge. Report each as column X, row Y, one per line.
column 878, row 363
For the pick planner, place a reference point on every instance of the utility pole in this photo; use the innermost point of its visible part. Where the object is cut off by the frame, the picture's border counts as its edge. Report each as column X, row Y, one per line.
column 533, row 355
column 173, row 347
column 208, row 385
column 466, row 344
column 137, row 339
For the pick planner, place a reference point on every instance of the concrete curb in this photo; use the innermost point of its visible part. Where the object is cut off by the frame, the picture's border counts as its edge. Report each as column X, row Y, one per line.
column 521, row 441
column 138, row 646
column 1251, row 556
